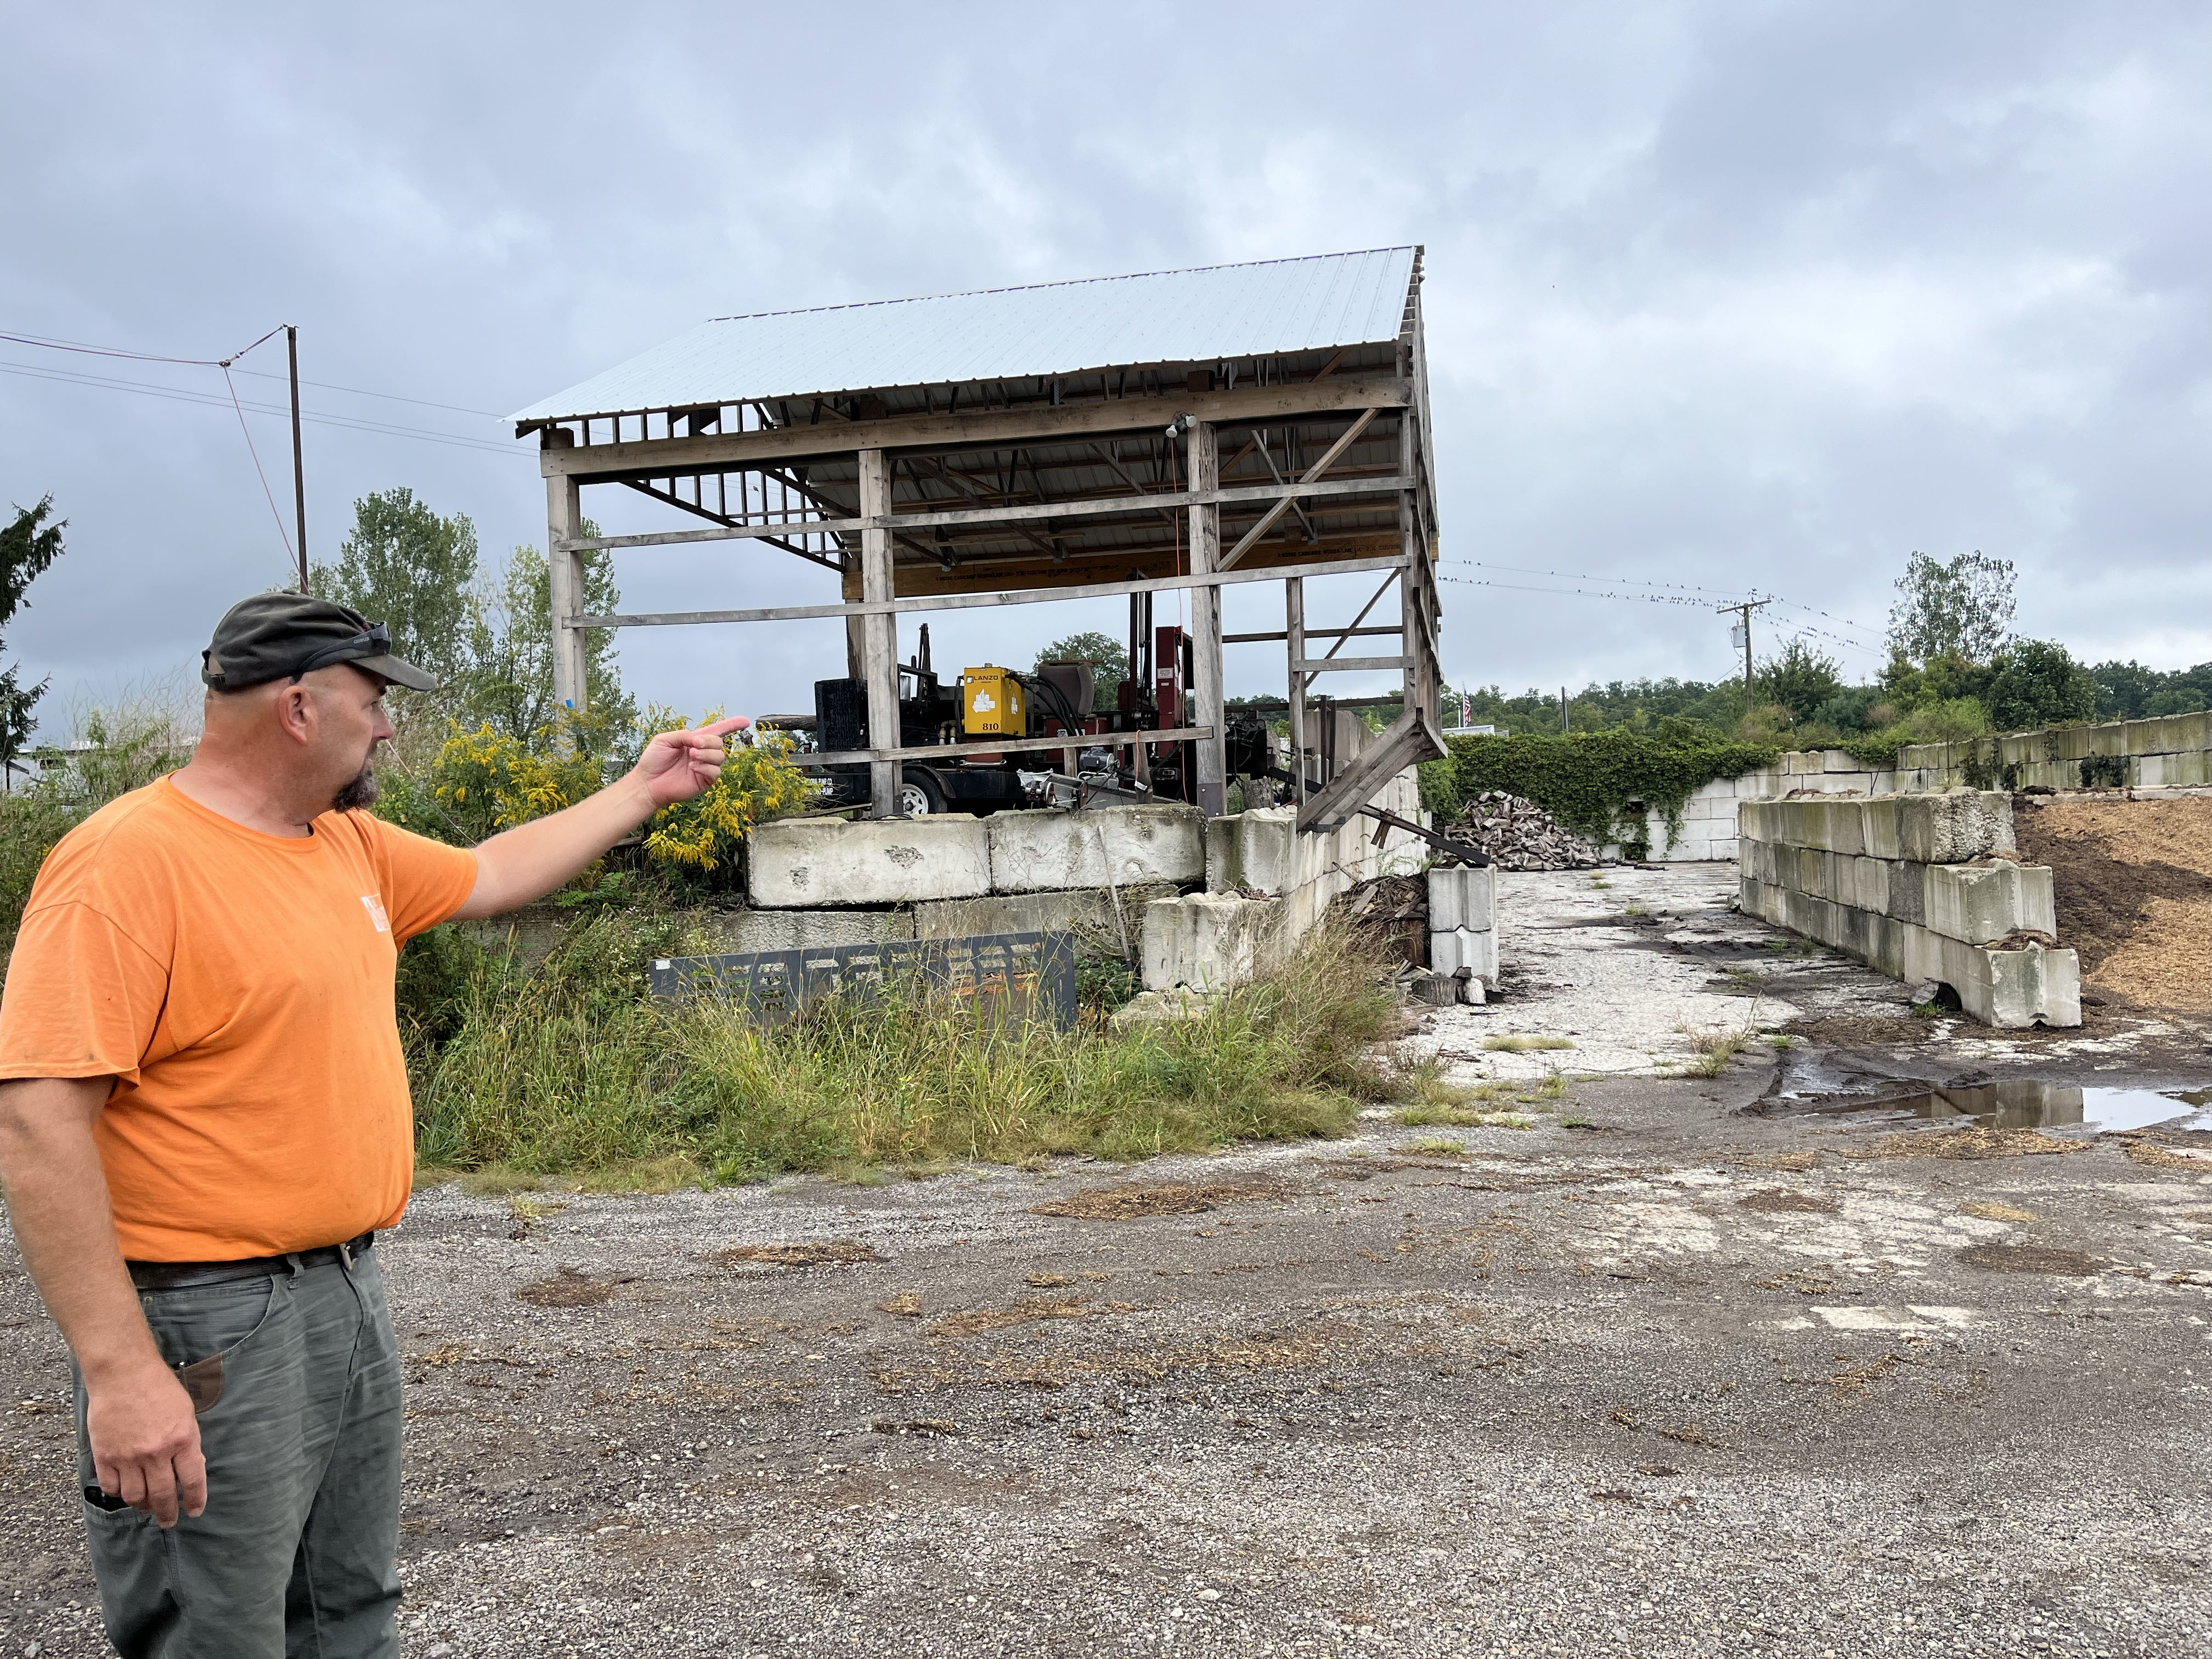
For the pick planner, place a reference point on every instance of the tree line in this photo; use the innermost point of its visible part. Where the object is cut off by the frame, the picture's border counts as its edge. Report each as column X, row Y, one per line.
column 1954, row 669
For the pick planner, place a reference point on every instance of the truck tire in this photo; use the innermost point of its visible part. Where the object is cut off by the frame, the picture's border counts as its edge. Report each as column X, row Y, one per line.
column 918, row 794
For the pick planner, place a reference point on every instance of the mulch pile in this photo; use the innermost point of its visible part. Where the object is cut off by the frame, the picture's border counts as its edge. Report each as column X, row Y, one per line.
column 1519, row 834
column 2134, row 886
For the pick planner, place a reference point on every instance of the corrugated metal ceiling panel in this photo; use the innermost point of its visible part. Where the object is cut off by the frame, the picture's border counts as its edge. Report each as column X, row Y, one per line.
column 1273, row 306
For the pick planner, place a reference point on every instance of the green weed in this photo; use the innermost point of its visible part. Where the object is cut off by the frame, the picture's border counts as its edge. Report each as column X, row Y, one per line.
column 576, row 1069
column 1521, row 1044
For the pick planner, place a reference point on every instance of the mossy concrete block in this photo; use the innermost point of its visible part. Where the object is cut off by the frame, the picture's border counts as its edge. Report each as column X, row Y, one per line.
column 808, row 864
column 1908, row 890
column 1035, row 851
column 2190, row 770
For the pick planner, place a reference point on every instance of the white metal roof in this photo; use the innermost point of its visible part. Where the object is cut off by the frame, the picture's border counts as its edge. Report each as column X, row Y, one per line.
column 1221, row 312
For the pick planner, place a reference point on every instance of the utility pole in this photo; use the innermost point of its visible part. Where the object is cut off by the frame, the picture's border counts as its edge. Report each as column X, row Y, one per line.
column 299, row 477
column 1563, row 711
column 1743, row 628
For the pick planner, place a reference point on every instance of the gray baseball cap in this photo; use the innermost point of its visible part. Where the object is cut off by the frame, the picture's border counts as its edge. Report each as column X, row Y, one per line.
column 275, row 636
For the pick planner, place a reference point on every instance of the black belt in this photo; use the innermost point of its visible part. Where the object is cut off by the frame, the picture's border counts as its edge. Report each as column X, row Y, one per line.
column 183, row 1275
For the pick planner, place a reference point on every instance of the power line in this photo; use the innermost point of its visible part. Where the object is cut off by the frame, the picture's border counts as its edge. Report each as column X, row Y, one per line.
column 1642, row 581
column 351, row 422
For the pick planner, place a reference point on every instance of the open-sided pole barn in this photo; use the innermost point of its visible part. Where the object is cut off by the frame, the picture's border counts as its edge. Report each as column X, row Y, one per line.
column 1181, row 430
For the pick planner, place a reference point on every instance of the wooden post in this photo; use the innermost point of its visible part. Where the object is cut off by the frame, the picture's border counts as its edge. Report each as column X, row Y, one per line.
column 564, row 570
column 879, row 636
column 1294, row 624
column 1205, row 695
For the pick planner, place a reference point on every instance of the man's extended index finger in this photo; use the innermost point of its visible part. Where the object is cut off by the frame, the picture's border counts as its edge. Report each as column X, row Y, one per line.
column 728, row 723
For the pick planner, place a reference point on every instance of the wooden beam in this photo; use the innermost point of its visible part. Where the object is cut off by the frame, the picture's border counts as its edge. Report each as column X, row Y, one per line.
column 564, row 580
column 1017, row 570
column 810, row 759
column 1294, row 632
column 968, row 601
column 1279, row 637
column 1203, row 455
column 899, row 523
column 879, row 634
column 1347, row 664
column 1305, row 485
column 728, row 451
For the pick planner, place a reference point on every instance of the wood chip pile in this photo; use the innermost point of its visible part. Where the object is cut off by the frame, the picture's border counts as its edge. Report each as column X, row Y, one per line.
column 1519, row 834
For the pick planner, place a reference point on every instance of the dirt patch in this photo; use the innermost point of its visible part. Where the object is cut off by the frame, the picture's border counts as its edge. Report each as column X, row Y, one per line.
column 1130, row 1200
column 569, row 1288
column 1030, row 1310
column 2133, row 881
column 1977, row 1142
column 1862, row 1031
column 817, row 1253
column 2031, row 1259
column 1780, row 1201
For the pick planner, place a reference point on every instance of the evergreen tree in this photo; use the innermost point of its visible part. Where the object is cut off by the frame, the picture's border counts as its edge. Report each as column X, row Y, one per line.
column 28, row 546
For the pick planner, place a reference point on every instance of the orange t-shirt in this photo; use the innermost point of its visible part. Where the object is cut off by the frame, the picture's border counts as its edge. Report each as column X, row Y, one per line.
column 238, row 987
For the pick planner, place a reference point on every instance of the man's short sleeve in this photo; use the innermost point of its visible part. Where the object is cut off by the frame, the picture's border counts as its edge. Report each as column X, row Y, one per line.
column 422, row 881
column 82, row 997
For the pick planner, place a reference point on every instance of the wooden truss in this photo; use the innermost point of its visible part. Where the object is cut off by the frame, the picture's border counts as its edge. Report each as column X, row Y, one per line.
column 1082, row 487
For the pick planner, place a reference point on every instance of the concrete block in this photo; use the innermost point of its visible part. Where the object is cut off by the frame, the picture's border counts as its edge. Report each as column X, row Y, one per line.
column 1031, row 852
column 1252, row 849
column 1836, row 760
column 2109, row 738
column 1977, row 903
column 1878, row 827
column 805, row 930
column 1955, row 827
column 795, row 864
column 1866, row 886
column 1843, row 827
column 2150, row 771
column 1461, row 896
column 1089, row 911
column 2190, row 770
column 1212, row 941
column 1465, row 947
column 1908, row 891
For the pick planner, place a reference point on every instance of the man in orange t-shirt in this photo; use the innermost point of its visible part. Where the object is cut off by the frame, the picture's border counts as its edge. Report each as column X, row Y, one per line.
column 204, row 1122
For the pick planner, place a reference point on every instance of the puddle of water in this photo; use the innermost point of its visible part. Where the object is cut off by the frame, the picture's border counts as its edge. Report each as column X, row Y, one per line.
column 2024, row 1103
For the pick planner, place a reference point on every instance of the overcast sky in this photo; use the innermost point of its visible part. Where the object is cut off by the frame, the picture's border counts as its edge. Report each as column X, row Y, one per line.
column 1731, row 295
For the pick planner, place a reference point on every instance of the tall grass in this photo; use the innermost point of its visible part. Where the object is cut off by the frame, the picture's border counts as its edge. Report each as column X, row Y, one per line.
column 574, row 1070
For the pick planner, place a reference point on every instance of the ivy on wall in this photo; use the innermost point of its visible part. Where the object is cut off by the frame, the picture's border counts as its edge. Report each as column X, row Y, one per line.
column 1587, row 781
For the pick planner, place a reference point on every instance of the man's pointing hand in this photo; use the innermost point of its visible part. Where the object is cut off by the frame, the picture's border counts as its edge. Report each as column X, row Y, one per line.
column 680, row 766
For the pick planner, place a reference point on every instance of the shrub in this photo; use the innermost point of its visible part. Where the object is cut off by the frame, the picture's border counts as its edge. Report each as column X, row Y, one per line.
column 1588, row 781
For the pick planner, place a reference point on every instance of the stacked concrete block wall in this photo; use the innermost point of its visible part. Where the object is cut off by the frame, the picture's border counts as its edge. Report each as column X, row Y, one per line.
column 1463, row 926
column 2172, row 751
column 1924, row 888
column 1706, row 828
column 1259, row 858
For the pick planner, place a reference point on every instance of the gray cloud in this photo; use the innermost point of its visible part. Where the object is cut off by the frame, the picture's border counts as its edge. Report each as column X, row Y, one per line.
column 1721, row 296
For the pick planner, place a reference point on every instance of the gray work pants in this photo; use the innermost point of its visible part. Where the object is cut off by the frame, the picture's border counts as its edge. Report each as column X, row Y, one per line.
column 293, row 1554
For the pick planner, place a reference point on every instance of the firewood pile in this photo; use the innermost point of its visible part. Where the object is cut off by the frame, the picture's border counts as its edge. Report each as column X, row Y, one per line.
column 1519, row 834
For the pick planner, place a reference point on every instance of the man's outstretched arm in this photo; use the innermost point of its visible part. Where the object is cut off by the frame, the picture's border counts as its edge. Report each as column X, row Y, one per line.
column 145, row 1441
column 533, row 859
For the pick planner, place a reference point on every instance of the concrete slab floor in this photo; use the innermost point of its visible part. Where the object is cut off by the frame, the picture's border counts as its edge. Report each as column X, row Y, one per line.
column 1682, row 1381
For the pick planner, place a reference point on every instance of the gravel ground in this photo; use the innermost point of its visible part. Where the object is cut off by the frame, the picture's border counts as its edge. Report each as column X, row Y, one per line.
column 1685, row 1380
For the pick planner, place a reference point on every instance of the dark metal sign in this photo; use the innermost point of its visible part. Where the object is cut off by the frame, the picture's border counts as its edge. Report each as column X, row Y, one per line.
column 1031, row 972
